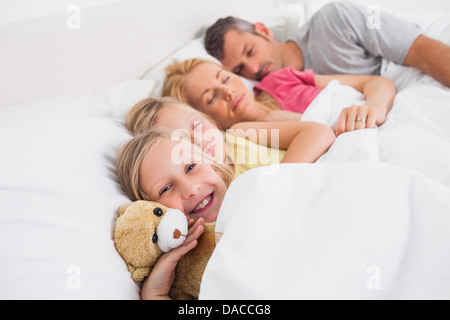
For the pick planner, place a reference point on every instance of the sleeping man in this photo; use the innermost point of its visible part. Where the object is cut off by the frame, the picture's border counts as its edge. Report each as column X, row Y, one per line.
column 340, row 39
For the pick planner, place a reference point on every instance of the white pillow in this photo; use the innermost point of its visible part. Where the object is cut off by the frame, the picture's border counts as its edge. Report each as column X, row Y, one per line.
column 192, row 49
column 111, row 101
column 281, row 24
column 59, row 196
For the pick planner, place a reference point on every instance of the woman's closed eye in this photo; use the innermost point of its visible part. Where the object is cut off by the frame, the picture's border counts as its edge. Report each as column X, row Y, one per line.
column 213, row 96
column 211, row 99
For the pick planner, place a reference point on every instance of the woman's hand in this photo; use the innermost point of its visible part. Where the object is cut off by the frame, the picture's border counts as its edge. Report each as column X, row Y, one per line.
column 158, row 283
column 360, row 117
column 379, row 93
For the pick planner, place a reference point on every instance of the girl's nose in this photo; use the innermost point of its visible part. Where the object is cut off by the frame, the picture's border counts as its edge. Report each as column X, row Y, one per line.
column 190, row 190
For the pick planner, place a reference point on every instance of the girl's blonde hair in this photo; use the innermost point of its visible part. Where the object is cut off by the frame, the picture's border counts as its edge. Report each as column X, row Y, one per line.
column 144, row 115
column 130, row 157
column 176, row 80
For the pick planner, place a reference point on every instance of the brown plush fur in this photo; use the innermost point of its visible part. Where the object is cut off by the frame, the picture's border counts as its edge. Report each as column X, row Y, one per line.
column 134, row 230
column 189, row 272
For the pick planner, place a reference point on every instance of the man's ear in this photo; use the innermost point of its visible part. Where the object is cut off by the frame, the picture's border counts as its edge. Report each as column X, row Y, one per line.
column 263, row 30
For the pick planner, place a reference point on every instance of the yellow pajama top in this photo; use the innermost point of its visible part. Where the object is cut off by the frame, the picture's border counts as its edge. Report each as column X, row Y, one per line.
column 247, row 155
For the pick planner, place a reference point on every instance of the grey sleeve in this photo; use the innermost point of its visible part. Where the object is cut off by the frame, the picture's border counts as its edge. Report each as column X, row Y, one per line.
column 380, row 33
column 346, row 38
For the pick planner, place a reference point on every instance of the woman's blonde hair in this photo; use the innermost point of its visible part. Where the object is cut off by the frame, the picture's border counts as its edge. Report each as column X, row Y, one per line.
column 177, row 72
column 176, row 77
column 130, row 157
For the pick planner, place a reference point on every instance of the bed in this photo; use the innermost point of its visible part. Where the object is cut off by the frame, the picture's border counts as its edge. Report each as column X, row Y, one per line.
column 370, row 220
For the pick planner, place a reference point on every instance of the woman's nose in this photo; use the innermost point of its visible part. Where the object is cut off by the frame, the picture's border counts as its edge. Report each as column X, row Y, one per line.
column 228, row 93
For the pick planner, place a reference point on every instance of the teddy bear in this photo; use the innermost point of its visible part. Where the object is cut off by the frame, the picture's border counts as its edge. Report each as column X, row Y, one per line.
column 145, row 230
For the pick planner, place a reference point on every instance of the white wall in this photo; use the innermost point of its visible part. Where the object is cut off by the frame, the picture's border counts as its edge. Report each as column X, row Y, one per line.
column 18, row 10
column 304, row 9
column 393, row 6
column 50, row 50
column 409, row 6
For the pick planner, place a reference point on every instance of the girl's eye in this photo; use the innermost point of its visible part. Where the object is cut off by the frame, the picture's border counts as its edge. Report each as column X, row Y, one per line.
column 226, row 79
column 190, row 167
column 250, row 52
column 165, row 189
column 212, row 99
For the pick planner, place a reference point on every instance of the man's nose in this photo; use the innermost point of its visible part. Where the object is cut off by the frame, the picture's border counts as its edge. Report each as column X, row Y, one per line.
column 252, row 67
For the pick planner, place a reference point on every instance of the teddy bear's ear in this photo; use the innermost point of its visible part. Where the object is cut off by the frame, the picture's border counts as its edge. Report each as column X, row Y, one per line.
column 139, row 274
column 123, row 208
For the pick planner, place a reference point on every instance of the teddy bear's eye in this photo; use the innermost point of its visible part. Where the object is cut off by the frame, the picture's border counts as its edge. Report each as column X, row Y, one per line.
column 158, row 212
column 155, row 238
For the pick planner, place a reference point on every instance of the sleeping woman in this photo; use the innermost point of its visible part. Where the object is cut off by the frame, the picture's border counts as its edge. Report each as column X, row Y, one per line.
column 282, row 95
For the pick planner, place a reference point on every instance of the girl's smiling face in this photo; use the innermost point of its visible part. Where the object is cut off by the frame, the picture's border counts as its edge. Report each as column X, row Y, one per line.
column 186, row 121
column 175, row 175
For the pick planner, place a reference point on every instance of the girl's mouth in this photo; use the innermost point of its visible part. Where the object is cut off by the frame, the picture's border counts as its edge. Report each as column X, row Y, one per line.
column 204, row 205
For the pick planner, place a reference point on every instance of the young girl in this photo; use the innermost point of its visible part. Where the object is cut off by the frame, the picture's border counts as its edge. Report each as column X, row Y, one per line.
column 153, row 166
column 150, row 168
column 219, row 93
column 242, row 147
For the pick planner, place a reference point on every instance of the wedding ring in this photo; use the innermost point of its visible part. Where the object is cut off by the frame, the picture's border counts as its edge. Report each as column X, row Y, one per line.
column 360, row 119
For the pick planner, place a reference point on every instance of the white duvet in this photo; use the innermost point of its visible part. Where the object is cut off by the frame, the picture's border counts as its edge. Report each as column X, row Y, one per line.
column 416, row 134
column 370, row 220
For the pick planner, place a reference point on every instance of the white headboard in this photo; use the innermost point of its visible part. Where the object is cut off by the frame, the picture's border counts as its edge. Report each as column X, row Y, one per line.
column 80, row 48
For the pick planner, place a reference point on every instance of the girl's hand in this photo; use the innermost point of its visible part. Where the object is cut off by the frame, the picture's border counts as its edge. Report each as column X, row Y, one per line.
column 360, row 117
column 158, row 283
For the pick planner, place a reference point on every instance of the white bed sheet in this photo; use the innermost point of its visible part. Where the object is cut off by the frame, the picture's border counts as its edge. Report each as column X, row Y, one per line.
column 415, row 135
column 332, row 231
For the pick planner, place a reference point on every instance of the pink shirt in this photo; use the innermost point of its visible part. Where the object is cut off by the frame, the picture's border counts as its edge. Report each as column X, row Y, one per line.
column 293, row 90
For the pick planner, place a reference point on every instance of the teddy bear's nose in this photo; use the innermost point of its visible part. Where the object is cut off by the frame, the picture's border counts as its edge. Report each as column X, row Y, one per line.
column 172, row 230
column 177, row 234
